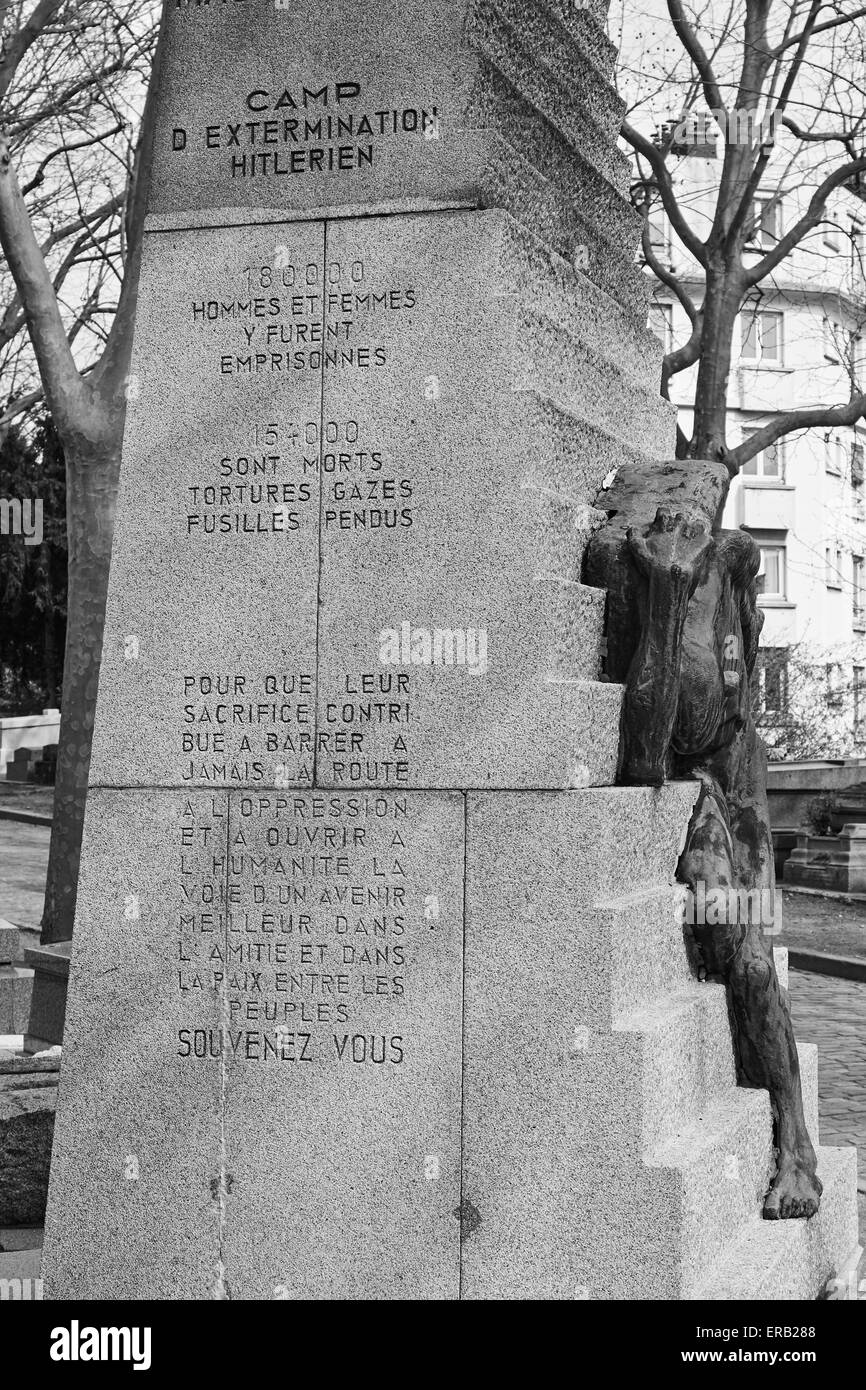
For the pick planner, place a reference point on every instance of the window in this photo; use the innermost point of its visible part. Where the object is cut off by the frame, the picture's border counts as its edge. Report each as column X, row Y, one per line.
column 661, row 323
column 857, row 578
column 833, row 672
column 858, row 698
column 659, row 232
column 831, row 234
column 762, row 337
column 770, row 581
column 766, row 229
column 840, row 344
column 857, row 462
column 768, row 463
column 770, row 681
column 833, row 565
column 835, row 455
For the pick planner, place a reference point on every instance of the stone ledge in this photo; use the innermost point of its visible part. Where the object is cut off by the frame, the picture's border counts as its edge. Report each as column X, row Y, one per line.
column 822, row 963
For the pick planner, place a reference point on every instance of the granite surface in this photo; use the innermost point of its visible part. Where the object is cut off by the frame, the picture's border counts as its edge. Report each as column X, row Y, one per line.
column 278, row 982
column 351, row 712
column 210, row 641
column 138, row 1136
column 358, row 557
column 27, row 1106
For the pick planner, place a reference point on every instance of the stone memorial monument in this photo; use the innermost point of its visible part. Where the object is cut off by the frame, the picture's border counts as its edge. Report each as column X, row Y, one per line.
column 380, row 987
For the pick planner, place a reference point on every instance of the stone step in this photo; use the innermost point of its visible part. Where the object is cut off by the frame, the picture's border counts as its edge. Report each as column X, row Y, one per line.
column 808, row 1055
column 571, row 623
column 544, row 280
column 787, row 1260
column 643, row 952
column 684, row 1060
column 572, row 883
column 504, row 106
column 728, row 1165
column 565, row 453
column 582, row 17
column 553, row 530
column 581, row 63
column 16, row 989
column 548, row 359
column 9, row 944
column 587, row 121
column 507, row 180
column 724, row 1158
column 587, row 713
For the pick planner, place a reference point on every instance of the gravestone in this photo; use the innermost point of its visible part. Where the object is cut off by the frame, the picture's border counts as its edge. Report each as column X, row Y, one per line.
column 837, row 860
column 379, row 987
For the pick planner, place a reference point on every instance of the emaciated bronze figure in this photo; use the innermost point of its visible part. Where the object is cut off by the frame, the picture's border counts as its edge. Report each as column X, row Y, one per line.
column 683, row 629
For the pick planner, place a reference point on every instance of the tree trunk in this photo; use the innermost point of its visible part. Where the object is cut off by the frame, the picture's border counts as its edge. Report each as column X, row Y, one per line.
column 91, row 496
column 49, row 654
column 721, row 306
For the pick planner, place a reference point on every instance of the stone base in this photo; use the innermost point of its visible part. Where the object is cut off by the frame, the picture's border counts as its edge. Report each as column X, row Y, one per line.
column 16, row 982
column 48, row 1006
column 28, row 1096
column 607, row 1149
column 554, row 1113
column 836, row 863
column 16, row 987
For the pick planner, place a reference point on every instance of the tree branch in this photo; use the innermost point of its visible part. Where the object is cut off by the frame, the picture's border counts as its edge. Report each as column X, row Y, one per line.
column 21, row 406
column 39, row 176
column 643, row 146
column 666, row 276
column 788, row 421
column 820, row 29
column 698, row 54
column 811, row 217
column 683, row 357
column 23, row 39
column 753, row 182
column 64, row 387
column 844, row 137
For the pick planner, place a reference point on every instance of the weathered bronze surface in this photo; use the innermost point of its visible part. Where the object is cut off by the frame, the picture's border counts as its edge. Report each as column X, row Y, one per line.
column 683, row 629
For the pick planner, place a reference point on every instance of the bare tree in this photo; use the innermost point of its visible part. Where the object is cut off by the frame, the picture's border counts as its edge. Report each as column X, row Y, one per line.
column 783, row 82
column 810, row 703
column 71, row 212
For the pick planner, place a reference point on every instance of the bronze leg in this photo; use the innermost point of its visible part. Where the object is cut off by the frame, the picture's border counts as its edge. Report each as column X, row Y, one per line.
column 735, row 951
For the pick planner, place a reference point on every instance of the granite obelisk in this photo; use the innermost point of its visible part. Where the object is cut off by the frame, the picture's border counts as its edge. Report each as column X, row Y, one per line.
column 379, row 987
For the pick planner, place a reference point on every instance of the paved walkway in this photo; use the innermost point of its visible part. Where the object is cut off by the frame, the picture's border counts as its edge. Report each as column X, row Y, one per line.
column 832, row 1013
column 823, row 924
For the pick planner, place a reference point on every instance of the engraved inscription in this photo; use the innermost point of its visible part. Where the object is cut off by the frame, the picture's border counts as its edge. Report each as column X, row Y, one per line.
column 306, row 927
column 289, row 130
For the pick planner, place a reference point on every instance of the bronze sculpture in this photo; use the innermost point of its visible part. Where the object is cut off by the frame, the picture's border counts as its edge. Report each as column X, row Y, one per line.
column 682, row 636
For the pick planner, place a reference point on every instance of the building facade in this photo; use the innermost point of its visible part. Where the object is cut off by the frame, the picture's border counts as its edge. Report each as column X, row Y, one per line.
column 799, row 343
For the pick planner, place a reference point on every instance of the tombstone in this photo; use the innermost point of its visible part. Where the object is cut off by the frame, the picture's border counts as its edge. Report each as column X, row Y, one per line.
column 836, row 863
column 16, row 982
column 18, row 768
column 379, row 987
